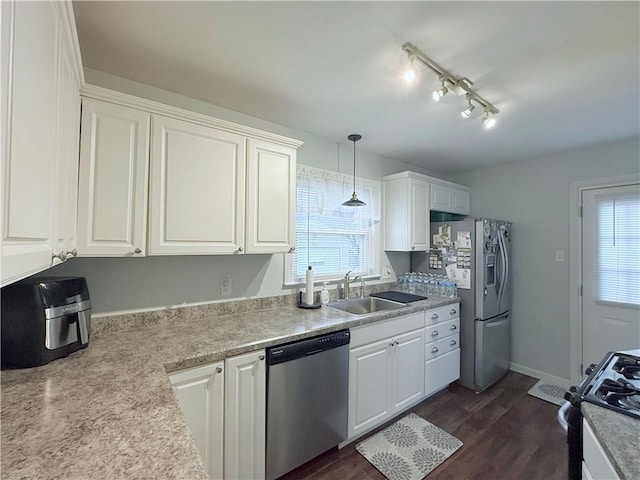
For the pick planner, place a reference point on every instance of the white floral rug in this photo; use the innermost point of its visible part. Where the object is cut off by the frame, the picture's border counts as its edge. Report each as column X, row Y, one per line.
column 408, row 449
column 548, row 392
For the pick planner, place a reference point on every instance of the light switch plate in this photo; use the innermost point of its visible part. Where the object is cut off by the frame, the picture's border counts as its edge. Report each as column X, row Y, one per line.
column 559, row 255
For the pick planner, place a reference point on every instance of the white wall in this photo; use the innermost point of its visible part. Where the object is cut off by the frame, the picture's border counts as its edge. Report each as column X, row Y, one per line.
column 535, row 195
column 118, row 284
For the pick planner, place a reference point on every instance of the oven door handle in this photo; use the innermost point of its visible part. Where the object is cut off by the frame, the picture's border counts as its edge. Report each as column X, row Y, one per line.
column 563, row 416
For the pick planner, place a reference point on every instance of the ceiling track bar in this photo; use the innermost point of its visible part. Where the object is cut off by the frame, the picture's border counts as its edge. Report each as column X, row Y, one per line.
column 445, row 76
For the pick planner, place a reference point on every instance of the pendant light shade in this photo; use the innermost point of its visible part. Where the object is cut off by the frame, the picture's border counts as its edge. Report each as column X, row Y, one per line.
column 353, row 201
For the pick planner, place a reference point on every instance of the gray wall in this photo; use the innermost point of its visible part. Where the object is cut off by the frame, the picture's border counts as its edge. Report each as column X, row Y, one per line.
column 121, row 284
column 535, row 196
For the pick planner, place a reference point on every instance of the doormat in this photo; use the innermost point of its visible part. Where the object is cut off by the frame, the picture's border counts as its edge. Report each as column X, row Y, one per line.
column 408, row 449
column 548, row 392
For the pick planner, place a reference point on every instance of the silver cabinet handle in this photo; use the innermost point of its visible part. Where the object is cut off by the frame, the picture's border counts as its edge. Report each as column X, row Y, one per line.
column 453, row 343
column 435, row 333
column 434, row 350
column 292, row 249
column 453, row 311
column 434, row 316
column 239, row 249
column 218, row 369
column 137, row 250
column 453, row 327
column 391, row 344
column 413, row 247
column 261, row 357
column 396, row 342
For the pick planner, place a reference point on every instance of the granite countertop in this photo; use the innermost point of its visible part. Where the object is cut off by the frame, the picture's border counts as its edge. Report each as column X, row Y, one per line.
column 619, row 435
column 109, row 411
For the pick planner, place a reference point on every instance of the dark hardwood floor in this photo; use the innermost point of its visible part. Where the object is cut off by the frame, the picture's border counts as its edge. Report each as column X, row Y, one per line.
column 507, row 434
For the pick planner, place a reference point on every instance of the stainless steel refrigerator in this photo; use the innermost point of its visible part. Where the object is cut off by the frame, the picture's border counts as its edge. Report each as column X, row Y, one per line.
column 478, row 254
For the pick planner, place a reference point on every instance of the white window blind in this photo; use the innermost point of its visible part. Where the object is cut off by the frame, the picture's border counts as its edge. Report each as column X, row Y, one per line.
column 332, row 238
column 618, row 249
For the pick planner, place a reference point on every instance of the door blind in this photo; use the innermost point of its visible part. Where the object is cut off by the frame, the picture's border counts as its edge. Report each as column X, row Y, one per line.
column 618, row 249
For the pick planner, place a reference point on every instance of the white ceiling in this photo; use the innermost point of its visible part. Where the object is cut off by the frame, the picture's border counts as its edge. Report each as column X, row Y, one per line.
column 563, row 74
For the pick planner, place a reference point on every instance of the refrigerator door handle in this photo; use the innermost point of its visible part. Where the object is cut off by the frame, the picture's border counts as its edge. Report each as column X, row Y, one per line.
column 504, row 266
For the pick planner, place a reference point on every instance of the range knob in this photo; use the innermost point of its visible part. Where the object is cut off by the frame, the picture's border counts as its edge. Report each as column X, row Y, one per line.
column 590, row 369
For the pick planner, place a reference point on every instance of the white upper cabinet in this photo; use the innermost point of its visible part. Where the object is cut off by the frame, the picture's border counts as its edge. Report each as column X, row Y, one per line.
column 406, row 212
column 450, row 199
column 114, row 164
column 39, row 108
column 271, row 197
column 197, row 191
column 409, row 198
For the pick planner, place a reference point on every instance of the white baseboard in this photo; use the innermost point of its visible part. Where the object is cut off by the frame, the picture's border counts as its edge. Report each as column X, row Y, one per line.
column 562, row 382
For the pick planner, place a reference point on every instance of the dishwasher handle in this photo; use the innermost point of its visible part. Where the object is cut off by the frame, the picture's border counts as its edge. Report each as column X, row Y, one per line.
column 309, row 346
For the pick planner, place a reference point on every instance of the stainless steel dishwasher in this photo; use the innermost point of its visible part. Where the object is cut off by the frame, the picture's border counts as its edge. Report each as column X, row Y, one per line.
column 307, row 388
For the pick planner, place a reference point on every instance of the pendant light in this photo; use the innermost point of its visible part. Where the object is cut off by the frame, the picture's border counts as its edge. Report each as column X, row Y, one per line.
column 353, row 201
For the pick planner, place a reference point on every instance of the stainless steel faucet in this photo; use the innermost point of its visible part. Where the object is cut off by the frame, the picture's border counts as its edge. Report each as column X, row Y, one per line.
column 347, row 281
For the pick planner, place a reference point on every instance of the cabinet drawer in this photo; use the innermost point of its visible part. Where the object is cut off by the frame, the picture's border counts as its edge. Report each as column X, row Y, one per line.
column 440, row 372
column 441, row 330
column 444, row 345
column 386, row 329
column 596, row 461
column 441, row 314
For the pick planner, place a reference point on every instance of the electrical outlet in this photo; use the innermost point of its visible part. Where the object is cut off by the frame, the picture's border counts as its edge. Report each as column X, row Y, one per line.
column 386, row 272
column 559, row 255
column 225, row 286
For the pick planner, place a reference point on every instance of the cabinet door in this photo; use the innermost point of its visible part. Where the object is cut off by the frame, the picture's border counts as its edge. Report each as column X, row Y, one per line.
column 245, row 417
column 408, row 376
column 441, row 198
column 114, row 167
column 200, row 393
column 461, row 202
column 441, row 371
column 271, row 198
column 68, row 144
column 197, row 189
column 419, row 214
column 370, row 401
column 29, row 115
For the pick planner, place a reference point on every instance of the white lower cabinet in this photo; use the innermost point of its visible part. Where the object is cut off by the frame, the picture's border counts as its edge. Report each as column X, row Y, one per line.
column 245, row 416
column 200, row 393
column 386, row 370
column 442, row 348
column 595, row 464
column 224, row 405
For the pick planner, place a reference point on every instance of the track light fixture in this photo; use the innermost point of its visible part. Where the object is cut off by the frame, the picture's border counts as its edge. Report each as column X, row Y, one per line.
column 489, row 121
column 461, row 86
column 466, row 113
column 441, row 92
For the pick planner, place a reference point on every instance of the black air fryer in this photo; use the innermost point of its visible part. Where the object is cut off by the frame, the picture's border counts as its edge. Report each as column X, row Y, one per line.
column 44, row 319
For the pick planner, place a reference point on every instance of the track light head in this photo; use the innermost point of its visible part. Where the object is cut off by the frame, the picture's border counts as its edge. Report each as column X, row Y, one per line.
column 438, row 94
column 489, row 121
column 466, row 113
column 410, row 73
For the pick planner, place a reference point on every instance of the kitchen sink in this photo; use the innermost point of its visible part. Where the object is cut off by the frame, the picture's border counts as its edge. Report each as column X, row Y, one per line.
column 363, row 306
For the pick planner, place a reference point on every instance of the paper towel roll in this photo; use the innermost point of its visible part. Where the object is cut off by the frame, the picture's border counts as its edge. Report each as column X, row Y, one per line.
column 308, row 296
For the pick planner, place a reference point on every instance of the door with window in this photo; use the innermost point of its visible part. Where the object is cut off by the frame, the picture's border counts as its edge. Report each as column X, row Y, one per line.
column 610, row 271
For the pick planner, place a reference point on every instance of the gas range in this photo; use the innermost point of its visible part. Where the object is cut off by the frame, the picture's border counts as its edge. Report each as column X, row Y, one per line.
column 614, row 383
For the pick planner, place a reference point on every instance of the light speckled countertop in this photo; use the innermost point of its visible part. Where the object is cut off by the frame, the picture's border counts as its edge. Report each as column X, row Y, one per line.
column 108, row 411
column 619, row 436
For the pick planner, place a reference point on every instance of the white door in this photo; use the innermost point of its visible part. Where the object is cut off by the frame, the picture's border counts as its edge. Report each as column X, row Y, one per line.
column 610, row 271
column 114, row 169
column 245, row 417
column 200, row 393
column 369, row 386
column 271, row 198
column 408, row 374
column 197, row 189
